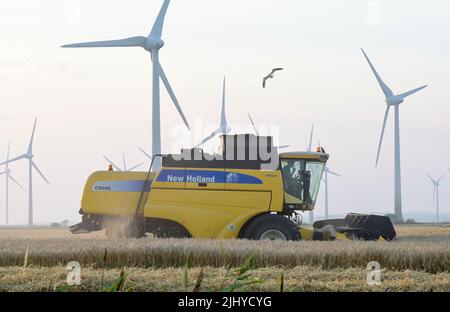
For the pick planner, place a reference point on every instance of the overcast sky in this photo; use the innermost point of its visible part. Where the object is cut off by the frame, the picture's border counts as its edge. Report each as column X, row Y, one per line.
column 92, row 102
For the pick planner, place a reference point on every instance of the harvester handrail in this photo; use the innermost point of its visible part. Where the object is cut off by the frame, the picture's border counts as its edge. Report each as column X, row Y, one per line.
column 145, row 185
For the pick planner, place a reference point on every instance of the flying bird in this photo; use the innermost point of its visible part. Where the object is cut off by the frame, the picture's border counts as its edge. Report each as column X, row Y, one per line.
column 271, row 75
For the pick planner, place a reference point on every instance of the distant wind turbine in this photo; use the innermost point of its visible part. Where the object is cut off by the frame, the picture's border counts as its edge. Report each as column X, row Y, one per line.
column 392, row 99
column 436, row 184
column 31, row 165
column 8, row 176
column 152, row 43
column 257, row 133
column 124, row 168
column 223, row 128
column 325, row 181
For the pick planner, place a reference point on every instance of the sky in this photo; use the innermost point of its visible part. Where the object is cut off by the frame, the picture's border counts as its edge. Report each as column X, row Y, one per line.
column 94, row 102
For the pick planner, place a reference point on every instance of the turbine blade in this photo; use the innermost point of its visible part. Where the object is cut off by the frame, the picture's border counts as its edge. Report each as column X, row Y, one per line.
column 209, row 137
column 124, row 162
column 15, row 181
column 386, row 114
column 283, row 146
column 253, row 125
column 334, row 173
column 2, row 173
column 39, row 171
column 137, row 166
column 386, row 90
column 14, row 159
column 440, row 179
column 127, row 42
column 310, row 139
column 9, row 148
column 145, row 153
column 432, row 180
column 30, row 145
column 112, row 164
column 223, row 117
column 159, row 22
column 408, row 93
column 172, row 96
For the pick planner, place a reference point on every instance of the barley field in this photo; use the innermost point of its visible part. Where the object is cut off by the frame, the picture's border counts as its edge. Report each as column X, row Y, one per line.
column 35, row 260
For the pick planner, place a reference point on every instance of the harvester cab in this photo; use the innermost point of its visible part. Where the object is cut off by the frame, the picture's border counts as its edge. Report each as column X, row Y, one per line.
column 247, row 190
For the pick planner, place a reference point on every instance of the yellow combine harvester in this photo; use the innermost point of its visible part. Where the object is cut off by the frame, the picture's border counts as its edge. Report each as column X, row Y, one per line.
column 248, row 190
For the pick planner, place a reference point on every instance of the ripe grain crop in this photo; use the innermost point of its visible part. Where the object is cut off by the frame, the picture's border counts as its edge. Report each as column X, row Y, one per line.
column 426, row 253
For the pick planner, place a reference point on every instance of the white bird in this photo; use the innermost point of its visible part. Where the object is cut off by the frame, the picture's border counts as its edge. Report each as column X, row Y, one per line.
column 392, row 99
column 31, row 165
column 124, row 168
column 271, row 75
column 152, row 43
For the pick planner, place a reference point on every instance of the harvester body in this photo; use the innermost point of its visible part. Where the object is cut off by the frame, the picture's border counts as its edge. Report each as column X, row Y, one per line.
column 219, row 196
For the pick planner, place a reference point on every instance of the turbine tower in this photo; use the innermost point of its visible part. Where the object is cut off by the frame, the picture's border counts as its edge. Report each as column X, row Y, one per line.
column 223, row 128
column 394, row 100
column 325, row 180
column 31, row 165
column 436, row 184
column 8, row 176
column 124, row 168
column 152, row 43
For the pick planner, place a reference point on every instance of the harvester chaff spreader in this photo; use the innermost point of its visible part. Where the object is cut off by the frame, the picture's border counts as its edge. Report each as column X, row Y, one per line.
column 247, row 190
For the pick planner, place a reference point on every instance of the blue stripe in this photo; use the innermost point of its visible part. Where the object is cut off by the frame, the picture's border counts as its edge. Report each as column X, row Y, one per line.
column 120, row 186
column 205, row 176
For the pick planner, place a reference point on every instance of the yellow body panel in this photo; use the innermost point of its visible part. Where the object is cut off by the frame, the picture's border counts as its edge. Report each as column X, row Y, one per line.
column 112, row 193
column 207, row 214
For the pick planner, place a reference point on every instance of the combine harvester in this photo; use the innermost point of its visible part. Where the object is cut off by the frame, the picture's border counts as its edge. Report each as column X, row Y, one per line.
column 247, row 191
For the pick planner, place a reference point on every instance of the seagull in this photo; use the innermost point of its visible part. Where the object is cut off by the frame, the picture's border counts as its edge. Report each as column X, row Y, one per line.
column 271, row 75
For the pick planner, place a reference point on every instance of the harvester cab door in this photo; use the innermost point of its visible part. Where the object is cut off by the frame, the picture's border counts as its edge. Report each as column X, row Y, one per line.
column 301, row 182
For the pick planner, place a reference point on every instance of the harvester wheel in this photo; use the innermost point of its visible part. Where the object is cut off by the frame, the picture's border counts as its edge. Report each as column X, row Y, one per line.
column 272, row 227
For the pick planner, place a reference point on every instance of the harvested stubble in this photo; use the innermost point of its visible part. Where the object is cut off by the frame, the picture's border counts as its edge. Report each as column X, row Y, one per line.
column 432, row 254
column 302, row 278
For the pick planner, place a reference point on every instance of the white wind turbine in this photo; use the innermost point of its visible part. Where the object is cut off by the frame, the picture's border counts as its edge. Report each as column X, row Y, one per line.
column 325, row 181
column 394, row 100
column 436, row 184
column 31, row 164
column 152, row 43
column 257, row 132
column 124, row 168
column 223, row 128
column 8, row 176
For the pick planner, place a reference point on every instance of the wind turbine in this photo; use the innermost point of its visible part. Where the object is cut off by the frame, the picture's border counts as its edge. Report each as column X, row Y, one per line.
column 394, row 100
column 257, row 132
column 31, row 165
column 124, row 168
column 223, row 128
column 152, row 43
column 8, row 176
column 325, row 181
column 436, row 184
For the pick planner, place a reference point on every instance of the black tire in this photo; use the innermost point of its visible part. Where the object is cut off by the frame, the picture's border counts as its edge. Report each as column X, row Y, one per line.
column 260, row 226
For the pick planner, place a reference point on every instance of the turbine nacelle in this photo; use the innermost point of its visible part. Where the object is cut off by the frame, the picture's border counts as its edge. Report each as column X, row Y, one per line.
column 394, row 100
column 153, row 43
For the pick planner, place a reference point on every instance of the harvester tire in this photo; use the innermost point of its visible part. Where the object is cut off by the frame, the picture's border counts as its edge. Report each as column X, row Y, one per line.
column 272, row 226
